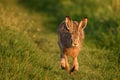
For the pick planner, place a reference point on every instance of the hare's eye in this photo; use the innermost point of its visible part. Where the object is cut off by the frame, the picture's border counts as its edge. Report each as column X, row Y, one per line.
column 67, row 29
column 74, row 31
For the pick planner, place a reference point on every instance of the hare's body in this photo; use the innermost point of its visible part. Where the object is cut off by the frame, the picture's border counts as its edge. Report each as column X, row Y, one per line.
column 70, row 37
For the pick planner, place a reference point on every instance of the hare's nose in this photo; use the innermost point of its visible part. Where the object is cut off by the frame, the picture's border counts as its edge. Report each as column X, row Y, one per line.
column 74, row 44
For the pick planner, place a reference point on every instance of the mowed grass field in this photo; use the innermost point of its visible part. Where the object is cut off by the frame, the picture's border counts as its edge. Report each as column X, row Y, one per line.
column 28, row 40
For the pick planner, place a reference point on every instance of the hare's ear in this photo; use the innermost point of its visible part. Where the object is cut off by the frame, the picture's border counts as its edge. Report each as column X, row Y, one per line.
column 83, row 23
column 68, row 22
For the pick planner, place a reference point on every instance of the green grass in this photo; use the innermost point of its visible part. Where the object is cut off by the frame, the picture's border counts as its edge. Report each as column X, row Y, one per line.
column 28, row 40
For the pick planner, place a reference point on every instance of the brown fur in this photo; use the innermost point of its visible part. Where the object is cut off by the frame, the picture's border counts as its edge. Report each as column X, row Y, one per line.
column 70, row 37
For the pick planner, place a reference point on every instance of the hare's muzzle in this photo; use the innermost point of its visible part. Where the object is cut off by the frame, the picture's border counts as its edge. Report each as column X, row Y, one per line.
column 75, row 42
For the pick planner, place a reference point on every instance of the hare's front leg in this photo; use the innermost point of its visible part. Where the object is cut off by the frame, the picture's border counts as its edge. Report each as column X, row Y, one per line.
column 64, row 62
column 75, row 65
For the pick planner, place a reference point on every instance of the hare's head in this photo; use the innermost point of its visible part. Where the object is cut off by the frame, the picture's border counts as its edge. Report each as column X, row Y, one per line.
column 75, row 30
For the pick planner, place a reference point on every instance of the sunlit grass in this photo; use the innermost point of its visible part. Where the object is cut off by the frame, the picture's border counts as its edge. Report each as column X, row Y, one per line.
column 29, row 50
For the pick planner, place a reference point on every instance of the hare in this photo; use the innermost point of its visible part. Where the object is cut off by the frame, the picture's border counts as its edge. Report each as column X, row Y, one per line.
column 70, row 38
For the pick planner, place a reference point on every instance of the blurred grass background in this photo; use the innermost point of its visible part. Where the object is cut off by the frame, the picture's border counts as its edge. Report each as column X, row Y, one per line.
column 28, row 39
